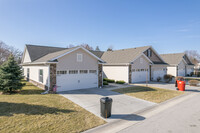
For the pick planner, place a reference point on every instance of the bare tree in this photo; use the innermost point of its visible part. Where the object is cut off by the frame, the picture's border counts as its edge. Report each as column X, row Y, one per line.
column 194, row 56
column 110, row 48
column 70, row 46
column 6, row 50
column 86, row 46
column 97, row 48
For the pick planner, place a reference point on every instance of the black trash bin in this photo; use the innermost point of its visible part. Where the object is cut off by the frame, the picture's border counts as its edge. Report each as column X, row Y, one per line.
column 106, row 105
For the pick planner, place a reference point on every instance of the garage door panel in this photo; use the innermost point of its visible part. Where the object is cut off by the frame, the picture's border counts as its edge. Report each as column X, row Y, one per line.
column 76, row 81
column 140, row 76
column 158, row 73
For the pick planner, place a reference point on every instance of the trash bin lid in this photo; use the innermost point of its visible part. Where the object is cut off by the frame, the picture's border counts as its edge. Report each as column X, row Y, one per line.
column 105, row 99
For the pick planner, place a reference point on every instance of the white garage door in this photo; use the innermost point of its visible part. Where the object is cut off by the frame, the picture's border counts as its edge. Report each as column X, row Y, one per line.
column 68, row 81
column 139, row 76
column 158, row 73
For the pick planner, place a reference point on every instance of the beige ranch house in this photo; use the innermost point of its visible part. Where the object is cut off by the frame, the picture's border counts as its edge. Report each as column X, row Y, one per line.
column 68, row 68
column 179, row 64
column 133, row 65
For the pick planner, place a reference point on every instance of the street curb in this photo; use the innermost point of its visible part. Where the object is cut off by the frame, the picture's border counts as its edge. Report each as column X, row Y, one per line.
column 143, row 111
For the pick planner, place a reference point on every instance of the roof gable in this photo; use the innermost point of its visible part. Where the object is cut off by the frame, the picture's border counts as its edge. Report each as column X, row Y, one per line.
column 123, row 55
column 155, row 57
column 49, row 56
column 173, row 59
column 26, row 56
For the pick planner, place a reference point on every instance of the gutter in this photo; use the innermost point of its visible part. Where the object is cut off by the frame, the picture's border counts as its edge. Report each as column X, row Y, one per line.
column 35, row 63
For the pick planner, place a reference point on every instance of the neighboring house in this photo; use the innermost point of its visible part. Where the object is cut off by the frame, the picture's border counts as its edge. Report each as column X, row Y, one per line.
column 179, row 64
column 69, row 69
column 197, row 68
column 133, row 65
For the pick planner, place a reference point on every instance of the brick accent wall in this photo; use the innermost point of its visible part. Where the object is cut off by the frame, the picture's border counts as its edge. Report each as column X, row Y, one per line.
column 52, row 76
column 129, row 74
column 100, row 75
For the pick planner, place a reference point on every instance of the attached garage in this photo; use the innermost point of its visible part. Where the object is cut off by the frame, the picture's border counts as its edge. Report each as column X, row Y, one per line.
column 158, row 71
column 140, row 69
column 76, row 79
column 140, row 75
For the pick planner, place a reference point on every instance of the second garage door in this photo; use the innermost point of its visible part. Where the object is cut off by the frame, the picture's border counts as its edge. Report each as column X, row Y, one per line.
column 77, row 79
column 140, row 75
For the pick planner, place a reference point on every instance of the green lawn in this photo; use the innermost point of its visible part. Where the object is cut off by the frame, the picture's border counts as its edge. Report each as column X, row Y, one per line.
column 29, row 111
column 152, row 94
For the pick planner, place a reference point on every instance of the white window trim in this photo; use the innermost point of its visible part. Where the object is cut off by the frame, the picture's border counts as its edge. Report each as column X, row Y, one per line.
column 141, row 60
column 79, row 56
column 42, row 76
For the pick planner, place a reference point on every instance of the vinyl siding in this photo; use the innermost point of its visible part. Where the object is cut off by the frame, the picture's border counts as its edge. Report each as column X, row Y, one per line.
column 26, row 57
column 69, row 62
column 138, row 65
column 181, row 68
column 34, row 73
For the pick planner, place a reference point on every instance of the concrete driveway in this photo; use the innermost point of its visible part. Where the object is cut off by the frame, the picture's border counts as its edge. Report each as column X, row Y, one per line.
column 169, row 86
column 122, row 105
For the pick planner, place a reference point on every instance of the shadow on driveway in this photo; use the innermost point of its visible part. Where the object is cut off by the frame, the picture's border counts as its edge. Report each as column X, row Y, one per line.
column 130, row 117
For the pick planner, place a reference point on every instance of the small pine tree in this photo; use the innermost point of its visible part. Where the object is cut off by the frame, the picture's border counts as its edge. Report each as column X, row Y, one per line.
column 10, row 75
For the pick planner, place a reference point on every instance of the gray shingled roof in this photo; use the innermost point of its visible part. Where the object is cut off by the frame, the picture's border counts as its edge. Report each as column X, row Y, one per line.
column 37, row 52
column 50, row 56
column 45, row 53
column 173, row 59
column 124, row 55
column 97, row 53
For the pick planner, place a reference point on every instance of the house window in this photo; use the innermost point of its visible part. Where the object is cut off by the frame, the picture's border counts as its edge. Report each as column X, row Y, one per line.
column 73, row 71
column 149, row 53
column 83, row 71
column 93, row 71
column 61, row 72
column 141, row 60
column 41, row 75
column 28, row 72
column 79, row 57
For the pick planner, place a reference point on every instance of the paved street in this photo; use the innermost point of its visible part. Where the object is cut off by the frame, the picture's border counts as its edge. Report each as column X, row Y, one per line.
column 181, row 118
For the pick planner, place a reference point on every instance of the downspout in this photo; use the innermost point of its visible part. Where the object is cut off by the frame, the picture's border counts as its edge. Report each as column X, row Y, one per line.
column 49, row 78
column 150, row 72
column 185, row 70
column 102, row 75
column 176, row 70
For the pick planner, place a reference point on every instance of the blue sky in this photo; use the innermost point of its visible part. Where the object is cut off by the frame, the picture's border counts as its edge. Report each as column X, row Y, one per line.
column 170, row 26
